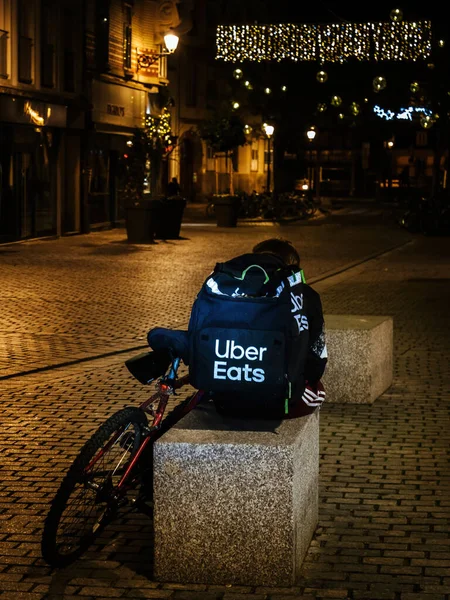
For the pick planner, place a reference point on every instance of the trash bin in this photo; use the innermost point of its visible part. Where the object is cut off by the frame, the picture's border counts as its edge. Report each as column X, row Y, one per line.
column 171, row 216
column 227, row 210
column 142, row 218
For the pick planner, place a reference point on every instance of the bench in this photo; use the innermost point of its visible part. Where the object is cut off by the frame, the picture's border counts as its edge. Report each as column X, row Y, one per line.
column 360, row 357
column 235, row 502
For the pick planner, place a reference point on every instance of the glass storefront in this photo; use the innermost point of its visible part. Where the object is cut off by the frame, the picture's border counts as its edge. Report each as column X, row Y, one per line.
column 28, row 198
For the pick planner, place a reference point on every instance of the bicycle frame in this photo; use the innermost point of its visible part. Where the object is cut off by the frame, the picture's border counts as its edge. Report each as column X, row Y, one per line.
column 166, row 386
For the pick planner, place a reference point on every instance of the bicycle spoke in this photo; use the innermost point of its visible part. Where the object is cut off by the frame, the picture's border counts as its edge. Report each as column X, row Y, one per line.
column 88, row 496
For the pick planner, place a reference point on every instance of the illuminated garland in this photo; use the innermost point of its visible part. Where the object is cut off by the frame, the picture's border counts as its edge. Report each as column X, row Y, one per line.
column 158, row 129
column 405, row 114
column 337, row 42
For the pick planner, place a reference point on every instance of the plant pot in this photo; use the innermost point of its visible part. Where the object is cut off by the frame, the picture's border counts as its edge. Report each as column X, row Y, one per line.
column 142, row 220
column 171, row 216
column 226, row 210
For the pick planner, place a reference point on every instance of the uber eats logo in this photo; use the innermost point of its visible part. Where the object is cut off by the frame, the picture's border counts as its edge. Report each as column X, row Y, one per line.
column 229, row 350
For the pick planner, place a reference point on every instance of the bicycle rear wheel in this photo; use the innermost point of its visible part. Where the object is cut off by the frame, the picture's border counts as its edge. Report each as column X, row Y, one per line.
column 87, row 499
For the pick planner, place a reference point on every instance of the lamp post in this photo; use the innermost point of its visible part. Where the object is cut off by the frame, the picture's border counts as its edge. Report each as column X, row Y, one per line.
column 144, row 61
column 390, row 146
column 310, row 134
column 268, row 129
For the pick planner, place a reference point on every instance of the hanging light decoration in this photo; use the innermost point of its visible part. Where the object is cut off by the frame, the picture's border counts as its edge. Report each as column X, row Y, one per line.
column 341, row 115
column 355, row 109
column 426, row 121
column 248, row 85
column 321, row 107
column 379, row 84
column 247, row 129
column 235, row 105
column 394, row 40
column 238, row 74
column 441, row 43
column 414, row 87
column 321, row 76
column 268, row 90
column 336, row 100
column 396, row 15
column 283, row 88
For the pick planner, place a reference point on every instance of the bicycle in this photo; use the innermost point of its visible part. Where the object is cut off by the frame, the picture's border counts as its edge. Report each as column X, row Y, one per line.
column 109, row 467
column 210, row 210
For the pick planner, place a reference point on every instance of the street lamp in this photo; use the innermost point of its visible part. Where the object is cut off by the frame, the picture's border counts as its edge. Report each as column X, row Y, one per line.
column 268, row 130
column 147, row 60
column 310, row 134
column 389, row 145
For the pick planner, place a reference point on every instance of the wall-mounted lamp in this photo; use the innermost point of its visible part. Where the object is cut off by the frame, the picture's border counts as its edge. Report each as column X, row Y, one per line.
column 144, row 61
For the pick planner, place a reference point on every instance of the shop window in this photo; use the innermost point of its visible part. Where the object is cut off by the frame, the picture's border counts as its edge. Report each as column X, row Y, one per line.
column 3, row 53
column 99, row 172
column 127, row 32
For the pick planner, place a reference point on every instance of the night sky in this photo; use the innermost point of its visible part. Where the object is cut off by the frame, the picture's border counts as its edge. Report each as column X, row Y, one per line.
column 320, row 11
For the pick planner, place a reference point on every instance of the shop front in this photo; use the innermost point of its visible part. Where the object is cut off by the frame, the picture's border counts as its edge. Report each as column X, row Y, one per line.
column 117, row 112
column 31, row 138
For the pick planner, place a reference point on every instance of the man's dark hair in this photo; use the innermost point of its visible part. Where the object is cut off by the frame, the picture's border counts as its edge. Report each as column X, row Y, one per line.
column 281, row 248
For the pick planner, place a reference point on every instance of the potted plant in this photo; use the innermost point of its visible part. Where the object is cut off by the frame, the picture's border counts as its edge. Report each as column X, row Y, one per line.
column 224, row 133
column 146, row 213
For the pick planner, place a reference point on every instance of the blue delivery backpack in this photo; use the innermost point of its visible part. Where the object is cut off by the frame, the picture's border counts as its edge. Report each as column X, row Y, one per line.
column 243, row 339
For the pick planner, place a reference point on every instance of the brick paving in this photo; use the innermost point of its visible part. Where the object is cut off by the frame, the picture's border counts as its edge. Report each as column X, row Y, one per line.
column 384, row 530
column 87, row 295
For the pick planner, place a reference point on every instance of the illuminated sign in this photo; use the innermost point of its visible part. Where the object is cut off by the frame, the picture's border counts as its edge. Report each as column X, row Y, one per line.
column 34, row 115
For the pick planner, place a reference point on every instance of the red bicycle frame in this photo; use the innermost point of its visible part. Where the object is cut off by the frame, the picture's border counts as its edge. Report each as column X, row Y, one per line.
column 165, row 388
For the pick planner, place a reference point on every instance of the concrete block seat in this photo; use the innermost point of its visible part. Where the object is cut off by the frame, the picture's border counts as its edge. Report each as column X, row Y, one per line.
column 235, row 502
column 360, row 357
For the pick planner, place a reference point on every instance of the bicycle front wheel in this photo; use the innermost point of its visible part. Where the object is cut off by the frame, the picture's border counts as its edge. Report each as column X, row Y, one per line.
column 88, row 497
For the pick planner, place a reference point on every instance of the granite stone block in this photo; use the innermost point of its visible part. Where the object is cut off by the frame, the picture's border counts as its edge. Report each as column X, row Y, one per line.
column 360, row 357
column 235, row 502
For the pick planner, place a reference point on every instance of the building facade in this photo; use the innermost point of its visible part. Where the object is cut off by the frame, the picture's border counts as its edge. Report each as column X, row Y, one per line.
column 76, row 81
column 41, row 117
column 126, row 79
column 200, row 85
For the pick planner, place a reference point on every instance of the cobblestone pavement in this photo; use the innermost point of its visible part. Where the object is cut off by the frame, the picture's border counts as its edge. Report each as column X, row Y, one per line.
column 86, row 295
column 384, row 516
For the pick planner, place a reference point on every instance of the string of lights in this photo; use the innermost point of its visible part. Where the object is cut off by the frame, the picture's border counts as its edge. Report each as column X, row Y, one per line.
column 335, row 42
column 159, row 128
column 405, row 114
